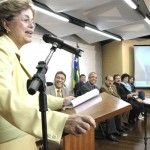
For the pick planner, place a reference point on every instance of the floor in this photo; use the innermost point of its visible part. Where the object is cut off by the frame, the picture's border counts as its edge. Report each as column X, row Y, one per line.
column 131, row 140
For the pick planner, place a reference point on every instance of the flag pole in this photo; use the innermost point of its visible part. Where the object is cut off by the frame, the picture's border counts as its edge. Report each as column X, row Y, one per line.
column 76, row 70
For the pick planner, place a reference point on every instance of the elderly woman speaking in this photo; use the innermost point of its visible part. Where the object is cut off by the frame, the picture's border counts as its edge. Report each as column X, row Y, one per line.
column 20, row 119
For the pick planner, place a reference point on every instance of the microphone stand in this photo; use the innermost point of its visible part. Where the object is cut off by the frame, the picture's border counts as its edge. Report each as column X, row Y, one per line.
column 38, row 83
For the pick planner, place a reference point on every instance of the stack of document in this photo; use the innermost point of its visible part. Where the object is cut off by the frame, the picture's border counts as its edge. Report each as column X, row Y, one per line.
column 81, row 99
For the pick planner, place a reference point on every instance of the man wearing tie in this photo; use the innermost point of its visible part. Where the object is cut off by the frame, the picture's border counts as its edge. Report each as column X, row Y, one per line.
column 58, row 88
column 110, row 88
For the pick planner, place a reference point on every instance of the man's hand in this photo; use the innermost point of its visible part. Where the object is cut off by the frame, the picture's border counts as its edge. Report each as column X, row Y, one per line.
column 79, row 124
column 135, row 94
column 129, row 96
column 68, row 99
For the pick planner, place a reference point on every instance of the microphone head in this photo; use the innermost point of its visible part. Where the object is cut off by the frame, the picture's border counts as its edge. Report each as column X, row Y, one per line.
column 49, row 38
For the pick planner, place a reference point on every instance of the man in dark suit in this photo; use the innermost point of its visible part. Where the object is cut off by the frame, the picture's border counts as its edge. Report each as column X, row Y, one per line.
column 79, row 84
column 90, row 85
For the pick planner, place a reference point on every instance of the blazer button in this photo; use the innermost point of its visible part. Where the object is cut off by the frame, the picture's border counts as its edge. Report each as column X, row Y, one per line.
column 50, row 136
column 54, row 136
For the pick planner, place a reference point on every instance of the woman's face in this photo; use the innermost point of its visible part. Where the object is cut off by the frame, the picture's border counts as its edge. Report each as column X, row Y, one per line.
column 21, row 28
column 131, row 80
column 126, row 79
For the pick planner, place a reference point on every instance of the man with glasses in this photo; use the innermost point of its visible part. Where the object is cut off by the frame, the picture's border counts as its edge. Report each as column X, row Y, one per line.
column 113, row 124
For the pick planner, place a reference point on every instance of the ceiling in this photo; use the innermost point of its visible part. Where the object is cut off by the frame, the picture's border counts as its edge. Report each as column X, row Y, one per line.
column 112, row 16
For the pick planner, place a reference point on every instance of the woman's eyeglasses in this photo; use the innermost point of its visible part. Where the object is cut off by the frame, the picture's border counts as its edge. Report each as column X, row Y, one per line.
column 28, row 21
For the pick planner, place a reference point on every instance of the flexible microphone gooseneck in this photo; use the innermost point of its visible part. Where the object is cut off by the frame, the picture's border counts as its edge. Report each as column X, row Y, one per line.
column 48, row 38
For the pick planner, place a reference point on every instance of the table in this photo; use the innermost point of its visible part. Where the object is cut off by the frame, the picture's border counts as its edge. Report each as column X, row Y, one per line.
column 102, row 107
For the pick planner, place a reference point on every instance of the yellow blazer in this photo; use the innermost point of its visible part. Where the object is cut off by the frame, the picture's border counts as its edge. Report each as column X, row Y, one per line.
column 19, row 111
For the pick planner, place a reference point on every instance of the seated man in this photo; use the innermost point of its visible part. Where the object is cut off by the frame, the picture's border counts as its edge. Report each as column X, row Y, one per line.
column 90, row 85
column 79, row 84
column 110, row 88
column 58, row 88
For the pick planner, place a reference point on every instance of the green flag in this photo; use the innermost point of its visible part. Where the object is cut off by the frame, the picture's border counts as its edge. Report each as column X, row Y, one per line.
column 76, row 72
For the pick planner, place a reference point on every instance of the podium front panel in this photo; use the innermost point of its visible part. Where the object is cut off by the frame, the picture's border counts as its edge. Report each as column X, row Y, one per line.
column 101, row 107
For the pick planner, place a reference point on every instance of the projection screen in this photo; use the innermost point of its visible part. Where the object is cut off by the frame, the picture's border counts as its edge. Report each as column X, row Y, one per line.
column 142, row 66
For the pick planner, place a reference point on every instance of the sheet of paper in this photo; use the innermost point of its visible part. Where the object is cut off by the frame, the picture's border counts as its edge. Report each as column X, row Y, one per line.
column 79, row 100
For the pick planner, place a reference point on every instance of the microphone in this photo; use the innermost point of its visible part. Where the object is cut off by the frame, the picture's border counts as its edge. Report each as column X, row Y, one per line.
column 48, row 38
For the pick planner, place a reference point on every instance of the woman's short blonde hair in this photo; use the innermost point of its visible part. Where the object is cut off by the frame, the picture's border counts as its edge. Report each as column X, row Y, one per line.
column 11, row 8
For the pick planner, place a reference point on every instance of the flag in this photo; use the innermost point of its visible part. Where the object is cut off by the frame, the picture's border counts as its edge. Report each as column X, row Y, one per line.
column 76, row 71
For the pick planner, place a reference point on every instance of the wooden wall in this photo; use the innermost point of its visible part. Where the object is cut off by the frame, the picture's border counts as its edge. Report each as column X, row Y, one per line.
column 118, row 57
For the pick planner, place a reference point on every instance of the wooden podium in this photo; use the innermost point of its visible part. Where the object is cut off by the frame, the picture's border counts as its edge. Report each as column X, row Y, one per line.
column 102, row 107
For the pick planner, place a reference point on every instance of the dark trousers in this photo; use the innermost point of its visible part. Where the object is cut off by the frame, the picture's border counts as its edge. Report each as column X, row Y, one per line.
column 111, row 126
column 118, row 122
column 137, row 107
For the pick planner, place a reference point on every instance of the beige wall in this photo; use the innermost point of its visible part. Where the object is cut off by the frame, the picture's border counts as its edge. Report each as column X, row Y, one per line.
column 118, row 57
column 112, row 59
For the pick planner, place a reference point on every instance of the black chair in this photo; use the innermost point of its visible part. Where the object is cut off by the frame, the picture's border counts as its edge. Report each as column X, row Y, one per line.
column 100, row 131
column 49, row 83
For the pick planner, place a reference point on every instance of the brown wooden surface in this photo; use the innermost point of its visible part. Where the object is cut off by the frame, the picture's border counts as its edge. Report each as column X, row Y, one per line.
column 133, row 139
column 102, row 107
column 83, row 142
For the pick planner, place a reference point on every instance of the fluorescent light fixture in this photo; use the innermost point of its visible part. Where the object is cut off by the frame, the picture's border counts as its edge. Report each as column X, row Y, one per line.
column 50, row 13
column 102, row 33
column 131, row 4
column 147, row 20
column 3, row 1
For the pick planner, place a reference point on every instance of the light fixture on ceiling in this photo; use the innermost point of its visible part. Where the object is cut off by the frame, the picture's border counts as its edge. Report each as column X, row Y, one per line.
column 147, row 20
column 50, row 13
column 102, row 33
column 134, row 6
column 131, row 4
column 3, row 1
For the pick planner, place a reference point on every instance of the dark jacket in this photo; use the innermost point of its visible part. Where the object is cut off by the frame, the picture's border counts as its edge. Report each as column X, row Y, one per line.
column 78, row 87
column 122, row 91
column 86, row 88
